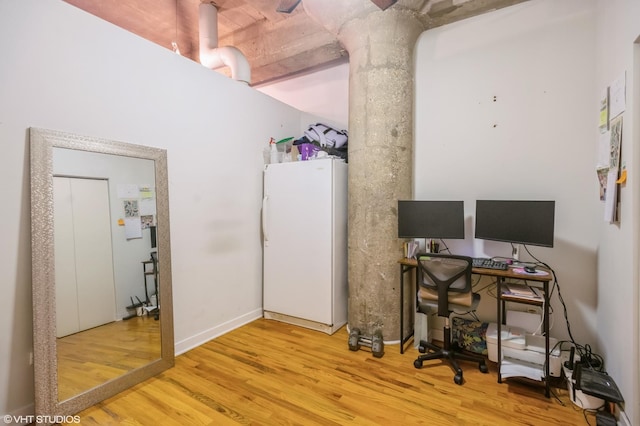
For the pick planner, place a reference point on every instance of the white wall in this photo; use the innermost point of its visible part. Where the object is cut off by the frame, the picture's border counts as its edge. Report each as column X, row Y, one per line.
column 531, row 142
column 323, row 93
column 618, row 35
column 66, row 70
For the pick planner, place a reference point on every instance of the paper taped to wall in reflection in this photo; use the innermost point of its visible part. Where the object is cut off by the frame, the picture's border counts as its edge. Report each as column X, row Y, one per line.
column 146, row 191
column 132, row 227
column 146, row 221
column 147, row 206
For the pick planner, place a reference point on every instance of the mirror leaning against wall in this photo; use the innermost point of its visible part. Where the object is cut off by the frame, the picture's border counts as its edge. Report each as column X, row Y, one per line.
column 102, row 300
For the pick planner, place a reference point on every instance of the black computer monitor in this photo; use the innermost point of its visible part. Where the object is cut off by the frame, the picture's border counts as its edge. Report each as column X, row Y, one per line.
column 430, row 219
column 520, row 222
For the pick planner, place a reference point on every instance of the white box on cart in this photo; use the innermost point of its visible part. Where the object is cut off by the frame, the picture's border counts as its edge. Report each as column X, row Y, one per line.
column 519, row 345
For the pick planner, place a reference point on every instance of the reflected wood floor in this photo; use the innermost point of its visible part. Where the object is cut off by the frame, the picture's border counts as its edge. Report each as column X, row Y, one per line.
column 271, row 373
column 92, row 357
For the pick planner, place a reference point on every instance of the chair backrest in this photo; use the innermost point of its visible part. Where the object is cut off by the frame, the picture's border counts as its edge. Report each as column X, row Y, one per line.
column 444, row 273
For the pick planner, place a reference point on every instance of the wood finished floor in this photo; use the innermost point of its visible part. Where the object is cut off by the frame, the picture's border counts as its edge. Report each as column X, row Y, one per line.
column 92, row 357
column 271, row 373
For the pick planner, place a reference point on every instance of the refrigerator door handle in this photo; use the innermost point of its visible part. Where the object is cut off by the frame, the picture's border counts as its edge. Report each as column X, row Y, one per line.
column 264, row 219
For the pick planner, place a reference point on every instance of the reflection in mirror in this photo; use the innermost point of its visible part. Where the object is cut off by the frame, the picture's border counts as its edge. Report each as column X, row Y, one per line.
column 103, row 207
column 101, row 268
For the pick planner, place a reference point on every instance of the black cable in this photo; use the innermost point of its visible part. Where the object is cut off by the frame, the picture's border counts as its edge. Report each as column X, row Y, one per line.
column 555, row 395
column 446, row 248
column 555, row 286
column 489, row 286
column 594, row 361
column 476, row 283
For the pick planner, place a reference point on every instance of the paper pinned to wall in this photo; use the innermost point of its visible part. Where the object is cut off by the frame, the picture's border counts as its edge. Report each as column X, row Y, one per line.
column 617, row 96
column 147, row 206
column 131, row 208
column 616, row 142
column 603, row 119
column 146, row 191
column 603, row 174
column 611, row 196
column 132, row 227
column 604, row 150
column 146, row 221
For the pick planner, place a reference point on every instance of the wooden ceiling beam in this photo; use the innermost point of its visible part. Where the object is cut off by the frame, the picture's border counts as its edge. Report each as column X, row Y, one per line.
column 276, row 44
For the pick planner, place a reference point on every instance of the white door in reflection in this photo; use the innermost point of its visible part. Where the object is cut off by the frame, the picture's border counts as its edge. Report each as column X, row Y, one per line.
column 85, row 290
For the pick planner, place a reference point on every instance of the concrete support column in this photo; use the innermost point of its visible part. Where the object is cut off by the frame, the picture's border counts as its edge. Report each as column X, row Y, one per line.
column 380, row 46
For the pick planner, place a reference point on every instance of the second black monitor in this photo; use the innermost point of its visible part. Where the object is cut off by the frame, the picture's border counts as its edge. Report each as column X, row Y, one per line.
column 514, row 221
column 430, row 219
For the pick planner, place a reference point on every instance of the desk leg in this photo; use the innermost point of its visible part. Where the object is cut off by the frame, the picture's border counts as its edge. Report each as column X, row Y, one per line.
column 499, row 326
column 401, row 309
column 403, row 270
column 545, row 314
column 144, row 277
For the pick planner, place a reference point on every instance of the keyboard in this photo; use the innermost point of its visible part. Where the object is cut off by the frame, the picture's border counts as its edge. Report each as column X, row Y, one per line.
column 486, row 263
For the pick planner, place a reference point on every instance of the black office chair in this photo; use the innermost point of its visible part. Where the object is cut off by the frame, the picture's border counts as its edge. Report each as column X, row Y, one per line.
column 444, row 283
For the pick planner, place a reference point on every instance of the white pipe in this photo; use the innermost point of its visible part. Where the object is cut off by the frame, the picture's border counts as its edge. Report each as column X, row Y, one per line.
column 212, row 56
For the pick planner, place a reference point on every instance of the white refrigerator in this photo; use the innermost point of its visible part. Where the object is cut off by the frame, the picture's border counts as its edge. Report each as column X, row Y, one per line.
column 304, row 224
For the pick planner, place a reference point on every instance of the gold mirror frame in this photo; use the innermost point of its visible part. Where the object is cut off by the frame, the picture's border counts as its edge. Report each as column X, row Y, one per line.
column 42, row 142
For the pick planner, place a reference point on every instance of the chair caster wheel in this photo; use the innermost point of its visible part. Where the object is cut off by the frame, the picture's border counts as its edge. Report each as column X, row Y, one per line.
column 457, row 379
column 417, row 363
column 483, row 368
column 422, row 349
column 354, row 339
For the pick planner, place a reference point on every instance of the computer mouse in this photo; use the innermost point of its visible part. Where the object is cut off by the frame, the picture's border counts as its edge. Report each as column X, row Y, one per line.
column 530, row 269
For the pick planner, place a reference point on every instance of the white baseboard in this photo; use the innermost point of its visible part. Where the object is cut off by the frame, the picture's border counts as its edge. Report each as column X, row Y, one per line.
column 313, row 325
column 623, row 420
column 204, row 336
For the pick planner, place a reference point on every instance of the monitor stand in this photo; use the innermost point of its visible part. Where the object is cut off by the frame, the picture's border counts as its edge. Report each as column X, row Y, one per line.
column 515, row 252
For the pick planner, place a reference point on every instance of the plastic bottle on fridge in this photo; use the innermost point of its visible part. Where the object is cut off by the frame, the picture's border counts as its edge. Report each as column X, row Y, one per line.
column 274, row 156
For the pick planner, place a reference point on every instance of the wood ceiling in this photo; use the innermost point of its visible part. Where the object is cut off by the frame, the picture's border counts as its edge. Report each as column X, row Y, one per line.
column 276, row 45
